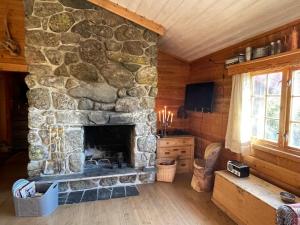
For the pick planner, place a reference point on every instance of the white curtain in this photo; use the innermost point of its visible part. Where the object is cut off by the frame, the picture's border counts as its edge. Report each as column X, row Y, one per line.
column 239, row 126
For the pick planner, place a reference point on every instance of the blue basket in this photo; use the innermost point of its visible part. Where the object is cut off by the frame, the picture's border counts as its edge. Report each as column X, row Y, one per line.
column 38, row 206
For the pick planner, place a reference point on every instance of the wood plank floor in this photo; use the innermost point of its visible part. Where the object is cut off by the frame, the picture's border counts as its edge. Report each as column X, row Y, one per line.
column 157, row 204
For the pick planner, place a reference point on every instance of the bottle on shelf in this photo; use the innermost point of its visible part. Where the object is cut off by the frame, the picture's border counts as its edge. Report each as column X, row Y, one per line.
column 294, row 39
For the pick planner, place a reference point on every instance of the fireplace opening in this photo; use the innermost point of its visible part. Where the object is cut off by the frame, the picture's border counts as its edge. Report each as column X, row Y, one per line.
column 108, row 146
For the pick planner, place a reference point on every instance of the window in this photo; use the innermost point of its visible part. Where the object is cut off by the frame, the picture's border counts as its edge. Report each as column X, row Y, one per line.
column 294, row 122
column 266, row 98
column 275, row 112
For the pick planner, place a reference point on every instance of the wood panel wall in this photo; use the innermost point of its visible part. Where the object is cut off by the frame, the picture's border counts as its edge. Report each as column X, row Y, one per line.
column 212, row 127
column 172, row 78
column 5, row 108
column 14, row 10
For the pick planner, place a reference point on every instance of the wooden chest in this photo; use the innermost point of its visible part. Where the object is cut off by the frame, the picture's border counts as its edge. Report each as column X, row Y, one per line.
column 181, row 147
column 248, row 201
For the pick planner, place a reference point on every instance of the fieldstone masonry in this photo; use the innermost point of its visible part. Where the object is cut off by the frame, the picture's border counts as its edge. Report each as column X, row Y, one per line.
column 87, row 66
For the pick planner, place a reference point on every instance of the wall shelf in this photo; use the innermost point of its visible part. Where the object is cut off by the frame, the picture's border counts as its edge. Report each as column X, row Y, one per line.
column 266, row 63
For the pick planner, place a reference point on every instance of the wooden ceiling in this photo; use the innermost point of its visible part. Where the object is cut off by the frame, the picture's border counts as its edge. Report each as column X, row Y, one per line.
column 195, row 28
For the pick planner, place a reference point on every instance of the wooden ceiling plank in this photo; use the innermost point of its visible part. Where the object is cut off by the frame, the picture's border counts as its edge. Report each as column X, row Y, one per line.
column 132, row 5
column 150, row 8
column 132, row 16
column 267, row 22
column 223, row 21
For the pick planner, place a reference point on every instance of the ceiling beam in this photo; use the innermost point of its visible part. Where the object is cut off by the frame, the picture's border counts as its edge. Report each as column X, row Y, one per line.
column 132, row 16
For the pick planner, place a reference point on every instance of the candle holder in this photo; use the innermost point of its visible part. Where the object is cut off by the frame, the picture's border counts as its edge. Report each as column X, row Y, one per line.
column 165, row 120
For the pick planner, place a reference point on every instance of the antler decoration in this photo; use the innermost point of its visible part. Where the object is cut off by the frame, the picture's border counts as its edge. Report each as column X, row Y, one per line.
column 8, row 43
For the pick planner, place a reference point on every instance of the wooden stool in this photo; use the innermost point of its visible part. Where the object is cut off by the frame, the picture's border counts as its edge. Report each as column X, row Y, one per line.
column 200, row 182
column 204, row 169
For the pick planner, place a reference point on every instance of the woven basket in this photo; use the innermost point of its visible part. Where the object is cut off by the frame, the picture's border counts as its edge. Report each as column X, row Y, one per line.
column 165, row 173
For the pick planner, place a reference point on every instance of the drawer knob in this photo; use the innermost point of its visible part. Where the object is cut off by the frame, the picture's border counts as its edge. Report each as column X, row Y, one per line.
column 183, row 164
column 167, row 153
column 183, row 151
column 175, row 149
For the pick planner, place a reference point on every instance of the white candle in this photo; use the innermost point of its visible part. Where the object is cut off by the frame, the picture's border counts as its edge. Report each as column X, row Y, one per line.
column 163, row 116
column 165, row 112
column 171, row 117
column 168, row 116
column 159, row 116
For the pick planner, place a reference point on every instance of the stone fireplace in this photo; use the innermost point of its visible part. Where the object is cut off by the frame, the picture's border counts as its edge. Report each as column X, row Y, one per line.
column 92, row 79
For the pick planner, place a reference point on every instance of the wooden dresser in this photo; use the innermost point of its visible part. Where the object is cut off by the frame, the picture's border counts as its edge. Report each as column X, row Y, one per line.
column 177, row 146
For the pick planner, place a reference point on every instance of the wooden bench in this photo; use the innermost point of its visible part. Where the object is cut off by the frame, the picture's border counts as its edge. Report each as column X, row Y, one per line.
column 248, row 201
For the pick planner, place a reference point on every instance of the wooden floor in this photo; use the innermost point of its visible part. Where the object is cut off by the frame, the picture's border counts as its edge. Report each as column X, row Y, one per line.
column 157, row 204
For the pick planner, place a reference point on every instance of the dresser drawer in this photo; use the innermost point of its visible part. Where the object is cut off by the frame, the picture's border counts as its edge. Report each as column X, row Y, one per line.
column 183, row 166
column 170, row 142
column 173, row 152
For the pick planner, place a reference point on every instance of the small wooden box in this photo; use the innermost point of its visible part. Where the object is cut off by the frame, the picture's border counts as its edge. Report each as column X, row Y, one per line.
column 181, row 147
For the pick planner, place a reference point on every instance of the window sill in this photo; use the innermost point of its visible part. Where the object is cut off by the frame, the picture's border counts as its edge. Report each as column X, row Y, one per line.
column 276, row 152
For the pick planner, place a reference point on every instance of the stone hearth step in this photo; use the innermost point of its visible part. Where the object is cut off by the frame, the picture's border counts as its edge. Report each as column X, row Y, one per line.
column 97, row 194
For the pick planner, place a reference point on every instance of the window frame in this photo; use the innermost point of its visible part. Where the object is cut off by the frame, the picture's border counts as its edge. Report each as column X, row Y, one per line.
column 285, row 112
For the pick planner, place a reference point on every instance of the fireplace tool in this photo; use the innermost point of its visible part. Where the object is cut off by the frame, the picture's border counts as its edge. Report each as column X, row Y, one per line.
column 165, row 120
column 49, row 164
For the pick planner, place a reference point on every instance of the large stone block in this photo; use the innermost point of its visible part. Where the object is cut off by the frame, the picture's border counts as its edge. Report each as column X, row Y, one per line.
column 109, row 181
column 138, row 91
column 34, row 55
column 147, row 144
column 102, row 31
column 82, row 185
column 40, row 70
column 51, row 81
column 121, row 118
column 111, row 19
column 35, row 119
column 125, row 33
column 39, row 98
column 127, row 58
column 30, row 81
column 33, row 138
column 61, row 71
column 127, row 104
column 77, row 4
column 44, row 9
column 133, row 47
column 128, row 179
column 76, row 162
column 104, row 106
column 96, row 92
column 117, row 76
column 150, row 36
column 82, row 28
column 38, row 152
column 84, row 72
column 111, row 45
column 151, row 51
column 92, row 51
column 61, row 22
column 54, row 56
column 98, row 117
column 85, row 104
column 71, row 118
column 74, row 140
column 62, row 101
column 147, row 103
column 147, row 75
column 71, row 57
column 69, row 38
column 42, row 38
